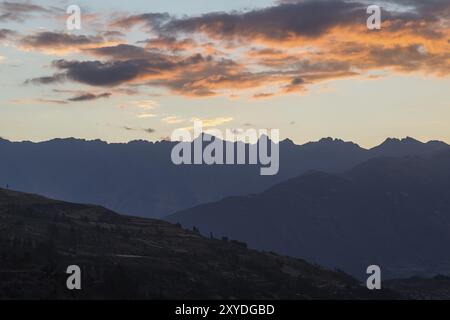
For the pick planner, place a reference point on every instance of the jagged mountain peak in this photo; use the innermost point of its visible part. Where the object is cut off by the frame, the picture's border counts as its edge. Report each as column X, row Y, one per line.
column 402, row 140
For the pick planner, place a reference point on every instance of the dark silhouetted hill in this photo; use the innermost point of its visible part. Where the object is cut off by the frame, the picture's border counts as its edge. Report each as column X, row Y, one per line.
column 125, row 257
column 417, row 288
column 393, row 212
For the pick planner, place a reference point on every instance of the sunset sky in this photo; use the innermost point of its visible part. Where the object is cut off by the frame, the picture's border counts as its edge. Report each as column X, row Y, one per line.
column 140, row 69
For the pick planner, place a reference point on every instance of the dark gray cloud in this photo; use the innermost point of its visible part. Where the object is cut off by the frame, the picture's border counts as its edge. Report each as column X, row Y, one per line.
column 56, row 78
column 97, row 73
column 291, row 18
column 89, row 96
column 6, row 33
column 410, row 58
column 151, row 20
column 121, row 70
column 19, row 11
column 55, row 40
column 170, row 43
column 113, row 34
column 127, row 51
column 146, row 130
column 296, row 84
column 54, row 101
column 311, row 18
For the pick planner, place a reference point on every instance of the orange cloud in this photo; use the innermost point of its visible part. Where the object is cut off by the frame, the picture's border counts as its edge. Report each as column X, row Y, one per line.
column 292, row 45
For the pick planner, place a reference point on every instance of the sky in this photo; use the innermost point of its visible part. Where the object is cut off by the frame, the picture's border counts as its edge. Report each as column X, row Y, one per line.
column 141, row 69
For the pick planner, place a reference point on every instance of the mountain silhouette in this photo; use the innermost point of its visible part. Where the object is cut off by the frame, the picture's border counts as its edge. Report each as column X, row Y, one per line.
column 419, row 288
column 391, row 211
column 139, row 177
column 124, row 257
column 406, row 146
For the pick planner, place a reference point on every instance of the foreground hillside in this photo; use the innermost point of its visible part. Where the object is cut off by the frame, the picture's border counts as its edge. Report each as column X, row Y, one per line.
column 393, row 212
column 417, row 288
column 128, row 257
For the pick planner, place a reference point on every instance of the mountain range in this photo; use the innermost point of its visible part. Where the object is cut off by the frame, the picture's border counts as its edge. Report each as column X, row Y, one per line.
column 139, row 178
column 333, row 203
column 389, row 211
